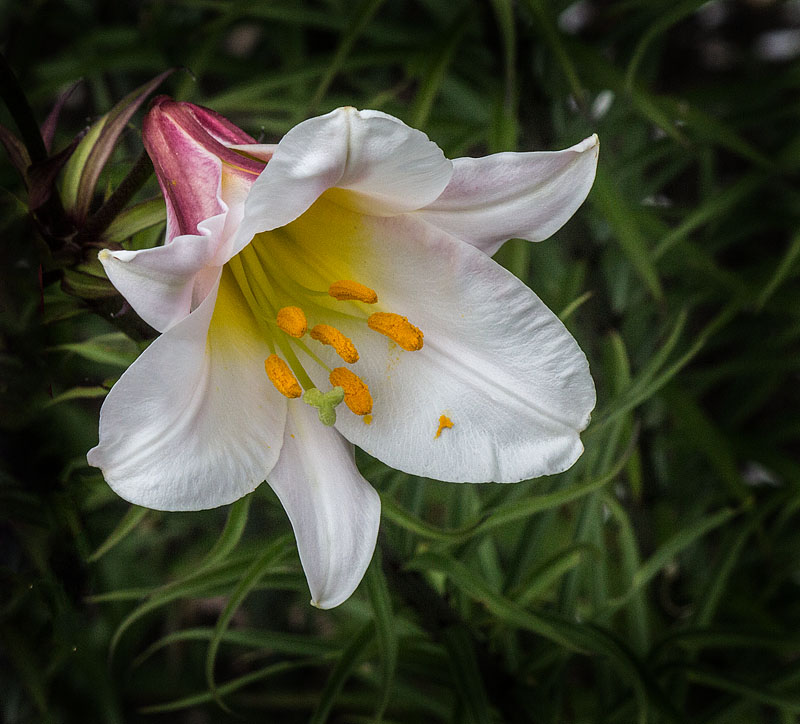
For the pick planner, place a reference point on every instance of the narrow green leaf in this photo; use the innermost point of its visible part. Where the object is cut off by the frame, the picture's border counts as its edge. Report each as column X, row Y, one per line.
column 678, row 542
column 110, row 132
column 77, row 393
column 350, row 657
column 279, row 641
column 466, row 675
column 135, row 219
column 385, row 631
column 77, row 162
column 782, row 271
column 759, row 693
column 129, row 521
column 231, row 533
column 248, row 581
column 229, row 687
column 436, row 73
column 717, row 206
column 361, row 17
column 620, row 217
column 114, row 348
column 542, row 579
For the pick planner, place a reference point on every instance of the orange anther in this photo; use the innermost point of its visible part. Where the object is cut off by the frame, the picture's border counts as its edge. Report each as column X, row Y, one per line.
column 347, row 290
column 356, row 392
column 281, row 376
column 292, row 320
column 343, row 345
column 398, row 329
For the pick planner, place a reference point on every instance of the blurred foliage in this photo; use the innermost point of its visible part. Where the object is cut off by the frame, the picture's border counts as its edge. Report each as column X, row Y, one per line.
column 656, row 581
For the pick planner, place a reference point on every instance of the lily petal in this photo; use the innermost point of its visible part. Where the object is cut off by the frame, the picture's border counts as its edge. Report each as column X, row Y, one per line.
column 186, row 145
column 194, row 422
column 388, row 167
column 165, row 283
column 495, row 361
column 334, row 512
column 514, row 195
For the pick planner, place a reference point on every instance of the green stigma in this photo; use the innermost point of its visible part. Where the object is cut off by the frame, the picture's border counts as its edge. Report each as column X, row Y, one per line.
column 325, row 402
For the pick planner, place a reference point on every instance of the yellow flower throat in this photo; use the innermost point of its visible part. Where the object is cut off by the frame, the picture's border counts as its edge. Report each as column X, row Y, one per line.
column 282, row 306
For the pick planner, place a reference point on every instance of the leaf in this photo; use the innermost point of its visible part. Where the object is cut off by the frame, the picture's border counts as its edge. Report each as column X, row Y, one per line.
column 135, row 219
column 676, row 543
column 617, row 212
column 231, row 533
column 113, row 348
column 129, row 521
column 466, row 675
column 229, row 687
column 100, row 151
column 385, row 631
column 51, row 122
column 249, row 580
column 350, row 657
column 77, row 162
column 77, row 393
column 17, row 153
column 278, row 641
column 782, row 271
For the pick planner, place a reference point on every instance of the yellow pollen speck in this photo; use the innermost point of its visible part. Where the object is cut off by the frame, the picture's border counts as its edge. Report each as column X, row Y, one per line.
column 444, row 422
column 347, row 290
column 281, row 376
column 292, row 320
column 356, row 392
column 398, row 329
column 367, row 419
column 343, row 345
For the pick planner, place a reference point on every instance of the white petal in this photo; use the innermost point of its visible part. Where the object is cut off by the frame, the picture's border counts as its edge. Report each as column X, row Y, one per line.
column 334, row 512
column 514, row 195
column 495, row 360
column 389, row 167
column 194, row 422
column 165, row 283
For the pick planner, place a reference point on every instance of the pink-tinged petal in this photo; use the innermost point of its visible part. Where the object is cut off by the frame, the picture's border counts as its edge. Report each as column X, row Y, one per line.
column 219, row 127
column 334, row 512
column 514, row 195
column 495, row 360
column 388, row 167
column 262, row 151
column 194, row 423
column 191, row 163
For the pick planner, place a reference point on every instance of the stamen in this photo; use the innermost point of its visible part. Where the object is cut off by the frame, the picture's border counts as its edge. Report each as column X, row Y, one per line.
column 347, row 290
column 444, row 422
column 343, row 345
column 281, row 376
column 398, row 329
column 325, row 402
column 292, row 320
column 356, row 392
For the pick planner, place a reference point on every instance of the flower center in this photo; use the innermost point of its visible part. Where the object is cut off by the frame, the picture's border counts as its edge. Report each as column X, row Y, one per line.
column 282, row 305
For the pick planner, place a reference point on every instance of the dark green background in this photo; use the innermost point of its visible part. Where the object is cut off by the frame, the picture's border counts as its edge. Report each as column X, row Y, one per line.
column 657, row 581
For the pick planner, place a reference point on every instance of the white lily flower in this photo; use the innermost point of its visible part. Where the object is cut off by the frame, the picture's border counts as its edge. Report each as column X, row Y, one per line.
column 351, row 260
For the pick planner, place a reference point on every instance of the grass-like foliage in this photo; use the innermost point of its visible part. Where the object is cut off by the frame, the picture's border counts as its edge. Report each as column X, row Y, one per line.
column 657, row 581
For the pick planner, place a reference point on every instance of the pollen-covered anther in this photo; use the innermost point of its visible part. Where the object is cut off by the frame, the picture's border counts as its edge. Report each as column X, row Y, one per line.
column 356, row 392
column 398, row 329
column 292, row 320
column 346, row 290
column 343, row 346
column 281, row 376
